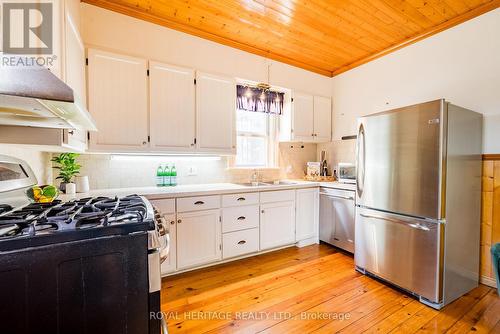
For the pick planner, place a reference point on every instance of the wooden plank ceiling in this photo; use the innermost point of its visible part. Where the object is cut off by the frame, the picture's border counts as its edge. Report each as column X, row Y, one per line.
column 323, row 36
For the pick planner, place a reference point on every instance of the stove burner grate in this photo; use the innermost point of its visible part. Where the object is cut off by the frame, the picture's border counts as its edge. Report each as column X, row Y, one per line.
column 39, row 219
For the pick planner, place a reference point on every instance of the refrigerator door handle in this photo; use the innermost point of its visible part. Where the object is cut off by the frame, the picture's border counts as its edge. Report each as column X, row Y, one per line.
column 361, row 155
column 412, row 225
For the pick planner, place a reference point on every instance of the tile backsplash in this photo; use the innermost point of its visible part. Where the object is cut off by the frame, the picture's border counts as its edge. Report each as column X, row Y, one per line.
column 338, row 151
column 107, row 171
column 121, row 171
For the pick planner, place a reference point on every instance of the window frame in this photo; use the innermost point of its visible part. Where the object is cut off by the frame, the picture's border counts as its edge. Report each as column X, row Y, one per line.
column 272, row 140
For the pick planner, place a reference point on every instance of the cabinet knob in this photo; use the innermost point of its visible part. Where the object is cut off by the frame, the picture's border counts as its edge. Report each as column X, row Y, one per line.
column 262, row 211
column 71, row 132
column 172, row 222
column 179, row 221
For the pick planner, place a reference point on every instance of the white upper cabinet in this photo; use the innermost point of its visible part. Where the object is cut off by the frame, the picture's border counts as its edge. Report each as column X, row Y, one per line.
column 74, row 65
column 172, row 107
column 118, row 101
column 171, row 110
column 215, row 113
column 322, row 119
column 310, row 119
column 303, row 117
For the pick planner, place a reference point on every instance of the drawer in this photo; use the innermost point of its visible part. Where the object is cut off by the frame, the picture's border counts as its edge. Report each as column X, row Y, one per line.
column 198, row 203
column 240, row 243
column 165, row 206
column 277, row 196
column 240, row 218
column 240, row 199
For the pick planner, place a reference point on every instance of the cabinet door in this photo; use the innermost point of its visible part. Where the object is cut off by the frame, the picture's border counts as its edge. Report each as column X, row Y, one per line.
column 303, row 117
column 74, row 69
column 307, row 204
column 198, row 238
column 277, row 224
column 343, row 235
column 74, row 51
column 170, row 264
column 118, row 101
column 322, row 119
column 215, row 113
column 172, row 107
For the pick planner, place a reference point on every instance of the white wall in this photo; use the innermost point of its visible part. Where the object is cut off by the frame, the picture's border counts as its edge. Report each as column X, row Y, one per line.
column 112, row 31
column 461, row 64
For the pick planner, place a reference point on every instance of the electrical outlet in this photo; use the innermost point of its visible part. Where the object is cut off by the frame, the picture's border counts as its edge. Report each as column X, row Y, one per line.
column 192, row 171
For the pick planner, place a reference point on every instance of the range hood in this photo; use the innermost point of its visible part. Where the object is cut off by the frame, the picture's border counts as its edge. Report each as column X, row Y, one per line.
column 33, row 96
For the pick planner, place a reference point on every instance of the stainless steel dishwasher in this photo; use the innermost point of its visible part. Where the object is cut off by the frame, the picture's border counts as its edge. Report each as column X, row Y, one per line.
column 336, row 218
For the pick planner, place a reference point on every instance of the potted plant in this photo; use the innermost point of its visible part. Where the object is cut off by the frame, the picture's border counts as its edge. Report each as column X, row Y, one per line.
column 68, row 168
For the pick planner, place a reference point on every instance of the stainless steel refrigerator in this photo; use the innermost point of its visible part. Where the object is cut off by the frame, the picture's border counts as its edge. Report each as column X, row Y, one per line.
column 418, row 199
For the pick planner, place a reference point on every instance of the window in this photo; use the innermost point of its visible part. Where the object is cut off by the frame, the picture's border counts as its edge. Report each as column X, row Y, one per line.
column 255, row 139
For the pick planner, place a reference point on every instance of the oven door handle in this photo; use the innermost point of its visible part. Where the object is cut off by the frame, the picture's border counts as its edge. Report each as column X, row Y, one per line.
column 165, row 247
column 164, row 328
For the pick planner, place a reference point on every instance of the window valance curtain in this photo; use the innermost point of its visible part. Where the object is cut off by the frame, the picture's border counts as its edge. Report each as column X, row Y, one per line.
column 259, row 100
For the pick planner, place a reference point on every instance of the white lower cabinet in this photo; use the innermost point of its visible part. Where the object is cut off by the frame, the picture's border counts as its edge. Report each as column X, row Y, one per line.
column 240, row 243
column 277, row 224
column 240, row 218
column 307, row 220
column 201, row 232
column 198, row 238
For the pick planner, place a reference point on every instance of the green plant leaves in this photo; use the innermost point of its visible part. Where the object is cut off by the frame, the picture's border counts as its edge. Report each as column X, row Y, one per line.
column 67, row 165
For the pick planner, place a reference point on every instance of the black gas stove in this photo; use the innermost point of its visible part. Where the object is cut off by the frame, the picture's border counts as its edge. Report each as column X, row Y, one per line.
column 89, row 265
column 39, row 224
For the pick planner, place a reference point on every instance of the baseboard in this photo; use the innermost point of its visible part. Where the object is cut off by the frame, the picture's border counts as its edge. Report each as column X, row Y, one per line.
column 307, row 242
column 488, row 281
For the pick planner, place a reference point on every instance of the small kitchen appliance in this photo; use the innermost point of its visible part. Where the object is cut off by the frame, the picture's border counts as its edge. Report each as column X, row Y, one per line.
column 346, row 172
column 88, row 265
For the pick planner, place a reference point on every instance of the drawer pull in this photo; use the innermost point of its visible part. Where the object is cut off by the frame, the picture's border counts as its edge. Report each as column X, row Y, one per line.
column 240, row 199
column 199, row 203
column 242, row 242
column 241, row 218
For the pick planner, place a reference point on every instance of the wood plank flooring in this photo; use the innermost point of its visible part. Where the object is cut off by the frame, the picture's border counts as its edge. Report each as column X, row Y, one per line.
column 314, row 289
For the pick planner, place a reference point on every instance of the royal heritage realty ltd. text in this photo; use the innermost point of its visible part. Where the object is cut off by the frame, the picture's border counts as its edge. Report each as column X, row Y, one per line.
column 209, row 315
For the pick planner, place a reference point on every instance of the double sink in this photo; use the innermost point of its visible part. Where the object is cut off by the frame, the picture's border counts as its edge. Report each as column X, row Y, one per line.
column 260, row 184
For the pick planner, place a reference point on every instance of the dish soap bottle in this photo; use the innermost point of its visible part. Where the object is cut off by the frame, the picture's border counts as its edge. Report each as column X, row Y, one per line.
column 173, row 176
column 166, row 176
column 159, row 176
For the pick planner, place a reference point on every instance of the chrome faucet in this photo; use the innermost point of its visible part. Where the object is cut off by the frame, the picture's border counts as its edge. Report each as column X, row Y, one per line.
column 255, row 177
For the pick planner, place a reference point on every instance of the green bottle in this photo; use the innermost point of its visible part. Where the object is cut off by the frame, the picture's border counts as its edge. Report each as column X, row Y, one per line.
column 173, row 176
column 166, row 176
column 159, row 176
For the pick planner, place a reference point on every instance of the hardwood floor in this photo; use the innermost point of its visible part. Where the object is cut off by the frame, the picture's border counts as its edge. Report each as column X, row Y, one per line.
column 311, row 289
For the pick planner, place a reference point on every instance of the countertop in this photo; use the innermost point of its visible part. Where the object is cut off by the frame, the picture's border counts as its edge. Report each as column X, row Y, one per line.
column 190, row 190
column 203, row 189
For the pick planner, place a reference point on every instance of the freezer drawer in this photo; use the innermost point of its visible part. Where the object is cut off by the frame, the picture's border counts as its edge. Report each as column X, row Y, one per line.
column 404, row 251
column 337, row 218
